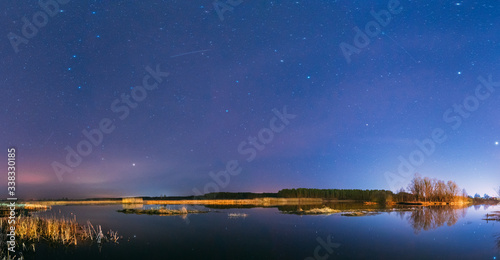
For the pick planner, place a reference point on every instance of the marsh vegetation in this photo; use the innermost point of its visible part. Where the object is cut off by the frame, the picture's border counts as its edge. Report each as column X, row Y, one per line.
column 31, row 231
column 162, row 211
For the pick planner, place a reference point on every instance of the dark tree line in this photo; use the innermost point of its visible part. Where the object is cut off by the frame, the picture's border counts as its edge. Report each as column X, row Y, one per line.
column 350, row 194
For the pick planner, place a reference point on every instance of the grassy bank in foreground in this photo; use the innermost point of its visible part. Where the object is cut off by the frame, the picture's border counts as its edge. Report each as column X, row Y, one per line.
column 53, row 231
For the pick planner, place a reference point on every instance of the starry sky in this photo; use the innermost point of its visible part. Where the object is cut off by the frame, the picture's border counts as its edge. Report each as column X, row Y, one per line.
column 259, row 95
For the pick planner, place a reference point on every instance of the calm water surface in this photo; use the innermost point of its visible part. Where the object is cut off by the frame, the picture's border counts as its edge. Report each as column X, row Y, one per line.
column 267, row 233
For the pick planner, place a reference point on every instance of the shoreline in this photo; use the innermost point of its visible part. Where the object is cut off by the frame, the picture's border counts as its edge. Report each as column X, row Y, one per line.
column 257, row 202
column 266, row 201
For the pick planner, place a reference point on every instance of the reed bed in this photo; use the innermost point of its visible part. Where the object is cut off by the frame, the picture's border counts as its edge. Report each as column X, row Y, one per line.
column 53, row 231
column 36, row 207
column 63, row 231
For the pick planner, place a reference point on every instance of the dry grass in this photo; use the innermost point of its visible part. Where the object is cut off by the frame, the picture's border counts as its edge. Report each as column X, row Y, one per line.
column 323, row 211
column 36, row 207
column 315, row 211
column 61, row 231
column 54, row 231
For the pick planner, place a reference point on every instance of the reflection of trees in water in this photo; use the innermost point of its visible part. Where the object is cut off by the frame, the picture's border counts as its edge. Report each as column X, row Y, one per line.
column 335, row 205
column 427, row 218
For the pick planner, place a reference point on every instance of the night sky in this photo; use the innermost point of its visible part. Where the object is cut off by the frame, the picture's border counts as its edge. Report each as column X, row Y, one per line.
column 284, row 94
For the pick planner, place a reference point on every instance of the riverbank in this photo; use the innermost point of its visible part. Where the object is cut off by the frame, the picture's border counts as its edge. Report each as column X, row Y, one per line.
column 255, row 202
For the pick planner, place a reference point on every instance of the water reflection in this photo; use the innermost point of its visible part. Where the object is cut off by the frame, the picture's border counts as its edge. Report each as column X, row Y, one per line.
column 428, row 218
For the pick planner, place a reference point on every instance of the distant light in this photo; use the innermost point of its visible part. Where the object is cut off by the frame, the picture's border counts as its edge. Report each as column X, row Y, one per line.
column 98, row 36
column 227, row 110
column 133, row 164
column 308, row 77
column 69, row 68
column 93, row 12
column 79, row 87
column 74, row 56
column 496, row 143
column 459, row 73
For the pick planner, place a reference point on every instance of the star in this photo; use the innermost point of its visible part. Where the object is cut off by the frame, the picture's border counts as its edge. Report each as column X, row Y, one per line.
column 133, row 164
column 496, row 143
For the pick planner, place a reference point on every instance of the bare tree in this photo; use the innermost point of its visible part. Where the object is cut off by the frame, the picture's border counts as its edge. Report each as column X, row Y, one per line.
column 401, row 195
column 428, row 189
column 452, row 191
column 440, row 190
column 416, row 187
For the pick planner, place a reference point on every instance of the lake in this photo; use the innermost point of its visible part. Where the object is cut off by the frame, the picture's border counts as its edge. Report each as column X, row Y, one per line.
column 267, row 233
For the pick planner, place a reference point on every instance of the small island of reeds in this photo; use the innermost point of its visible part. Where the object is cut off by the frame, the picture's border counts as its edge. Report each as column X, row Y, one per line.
column 162, row 211
column 314, row 211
